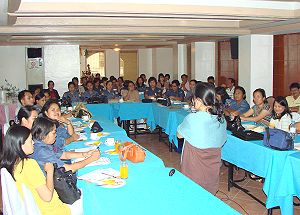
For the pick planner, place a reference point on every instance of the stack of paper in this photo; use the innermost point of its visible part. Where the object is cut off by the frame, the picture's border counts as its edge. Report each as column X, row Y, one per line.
column 99, row 175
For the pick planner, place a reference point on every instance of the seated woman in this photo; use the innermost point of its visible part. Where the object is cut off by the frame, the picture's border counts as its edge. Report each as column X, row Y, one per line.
column 140, row 85
column 53, row 92
column 204, row 134
column 109, row 92
column 190, row 94
column 90, row 92
column 72, row 95
column 44, row 136
column 97, row 86
column 152, row 91
column 260, row 111
column 162, row 83
column 14, row 157
column 222, row 96
column 131, row 94
column 40, row 100
column 64, row 130
column 281, row 115
column 26, row 116
column 238, row 105
column 175, row 93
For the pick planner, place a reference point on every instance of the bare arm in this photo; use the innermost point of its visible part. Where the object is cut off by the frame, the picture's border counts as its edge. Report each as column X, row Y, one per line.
column 46, row 191
column 248, row 113
column 95, row 155
column 257, row 118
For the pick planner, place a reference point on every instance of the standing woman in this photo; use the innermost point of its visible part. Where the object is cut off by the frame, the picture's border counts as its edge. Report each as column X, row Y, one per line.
column 14, row 157
column 204, row 134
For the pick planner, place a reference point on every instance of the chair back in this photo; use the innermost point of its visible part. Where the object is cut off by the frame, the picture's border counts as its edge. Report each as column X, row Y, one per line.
column 30, row 204
column 12, row 201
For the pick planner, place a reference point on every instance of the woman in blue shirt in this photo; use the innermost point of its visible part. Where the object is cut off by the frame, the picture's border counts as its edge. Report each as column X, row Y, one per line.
column 72, row 95
column 204, row 134
column 109, row 92
column 44, row 136
column 238, row 105
column 90, row 92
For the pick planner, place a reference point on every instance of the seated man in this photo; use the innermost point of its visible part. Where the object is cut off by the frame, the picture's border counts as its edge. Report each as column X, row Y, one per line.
column 152, row 91
column 90, row 92
column 294, row 99
column 175, row 93
column 189, row 94
column 25, row 98
column 72, row 95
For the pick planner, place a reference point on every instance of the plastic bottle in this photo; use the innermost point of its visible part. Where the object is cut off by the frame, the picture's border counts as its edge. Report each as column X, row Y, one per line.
column 293, row 131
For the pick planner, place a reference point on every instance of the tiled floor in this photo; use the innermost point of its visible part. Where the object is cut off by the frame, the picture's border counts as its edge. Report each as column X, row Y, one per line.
column 235, row 198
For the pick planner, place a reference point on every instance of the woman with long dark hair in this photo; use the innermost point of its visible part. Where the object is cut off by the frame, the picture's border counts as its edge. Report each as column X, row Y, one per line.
column 281, row 115
column 204, row 134
column 14, row 157
column 40, row 100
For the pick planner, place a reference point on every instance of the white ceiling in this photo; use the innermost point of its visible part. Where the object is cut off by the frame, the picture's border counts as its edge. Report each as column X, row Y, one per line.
column 141, row 24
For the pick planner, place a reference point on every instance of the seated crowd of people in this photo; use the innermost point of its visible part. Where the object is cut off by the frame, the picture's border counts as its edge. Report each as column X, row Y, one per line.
column 41, row 123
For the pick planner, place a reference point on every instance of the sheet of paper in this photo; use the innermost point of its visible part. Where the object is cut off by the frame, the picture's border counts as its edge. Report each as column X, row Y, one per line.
column 99, row 175
column 101, row 161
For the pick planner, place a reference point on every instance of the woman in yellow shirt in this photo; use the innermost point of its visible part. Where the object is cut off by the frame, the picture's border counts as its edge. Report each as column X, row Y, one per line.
column 14, row 157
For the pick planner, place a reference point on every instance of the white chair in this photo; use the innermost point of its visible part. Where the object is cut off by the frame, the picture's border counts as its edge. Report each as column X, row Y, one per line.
column 30, row 204
column 12, row 201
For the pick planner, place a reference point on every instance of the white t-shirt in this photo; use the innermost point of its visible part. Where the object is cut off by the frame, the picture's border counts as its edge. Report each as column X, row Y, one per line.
column 285, row 121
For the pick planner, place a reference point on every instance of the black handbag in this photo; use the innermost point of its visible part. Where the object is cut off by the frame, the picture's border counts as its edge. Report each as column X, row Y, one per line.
column 97, row 100
column 96, row 127
column 164, row 101
column 248, row 135
column 65, row 185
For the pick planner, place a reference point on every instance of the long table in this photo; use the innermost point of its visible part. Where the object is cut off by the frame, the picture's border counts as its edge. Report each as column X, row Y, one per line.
column 149, row 189
column 278, row 168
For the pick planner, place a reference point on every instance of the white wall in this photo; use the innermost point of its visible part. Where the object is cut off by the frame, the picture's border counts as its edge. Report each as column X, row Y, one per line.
column 204, row 60
column 163, row 61
column 145, row 62
column 182, row 60
column 62, row 63
column 112, row 63
column 12, row 65
column 256, row 64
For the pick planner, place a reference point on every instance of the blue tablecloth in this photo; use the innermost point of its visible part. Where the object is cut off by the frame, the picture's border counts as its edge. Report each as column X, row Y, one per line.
column 289, row 184
column 104, row 110
column 149, row 189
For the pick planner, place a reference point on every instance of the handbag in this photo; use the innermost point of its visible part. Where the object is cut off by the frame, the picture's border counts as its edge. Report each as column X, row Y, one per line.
column 278, row 139
column 65, row 185
column 132, row 152
column 248, row 135
column 234, row 124
column 97, row 100
column 80, row 110
column 96, row 127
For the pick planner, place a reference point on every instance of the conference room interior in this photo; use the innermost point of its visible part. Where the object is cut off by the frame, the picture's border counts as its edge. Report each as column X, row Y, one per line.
column 255, row 42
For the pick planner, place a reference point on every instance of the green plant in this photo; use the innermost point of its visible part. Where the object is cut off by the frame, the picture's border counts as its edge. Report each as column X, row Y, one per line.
column 11, row 89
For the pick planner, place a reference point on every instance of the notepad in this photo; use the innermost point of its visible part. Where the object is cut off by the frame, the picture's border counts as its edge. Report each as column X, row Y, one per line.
column 100, row 162
column 99, row 175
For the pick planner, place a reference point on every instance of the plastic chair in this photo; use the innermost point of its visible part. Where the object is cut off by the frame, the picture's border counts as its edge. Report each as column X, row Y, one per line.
column 30, row 204
column 12, row 201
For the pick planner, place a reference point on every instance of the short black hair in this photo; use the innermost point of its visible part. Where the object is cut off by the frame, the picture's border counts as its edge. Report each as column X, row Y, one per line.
column 261, row 91
column 104, row 78
column 194, row 80
column 294, row 85
column 89, row 82
column 21, row 94
column 152, row 79
column 210, row 78
column 232, row 81
column 184, row 75
column 41, row 127
column 75, row 78
column 70, row 83
column 241, row 89
column 39, row 96
column 176, row 82
column 48, row 104
column 49, row 82
column 167, row 75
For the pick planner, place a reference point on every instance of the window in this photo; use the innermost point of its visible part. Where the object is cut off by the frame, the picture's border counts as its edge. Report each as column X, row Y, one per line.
column 97, row 63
